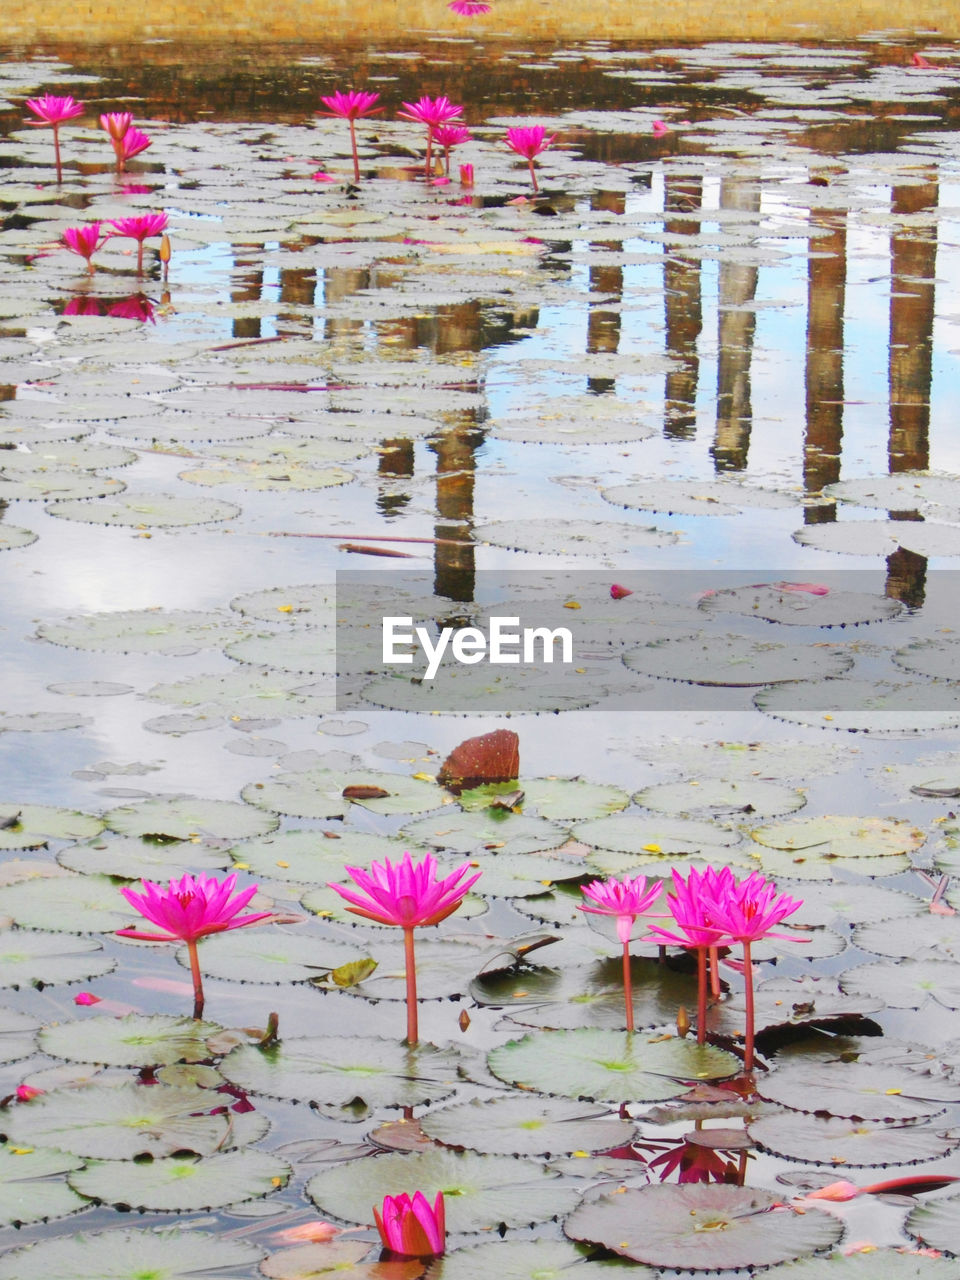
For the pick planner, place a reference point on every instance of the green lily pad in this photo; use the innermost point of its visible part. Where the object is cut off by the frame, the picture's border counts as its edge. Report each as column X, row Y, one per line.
column 892, row 1264
column 481, row 1191
column 307, row 651
column 318, row 793
column 486, row 830
column 142, row 510
column 904, row 491
column 445, row 967
column 17, row 1035
column 311, row 857
column 862, row 706
column 66, row 904
column 31, row 1188
column 570, row 799
column 119, row 1122
column 833, row 1140
column 718, row 798
column 28, row 826
column 516, row 875
column 856, row 904
column 175, row 632
column 131, row 1255
column 526, row 1127
column 518, row 1260
column 860, row 1090
column 735, row 662
column 269, row 955
column 31, row 958
column 336, row 1071
column 802, row 608
column 184, row 817
column 132, row 858
column 647, row 836
column 45, row 486
column 572, row 537
column 240, row 694
column 910, row 935
column 839, row 836
column 135, row 1040
column 701, row 1227
column 12, row 537
column 882, row 537
column 608, row 1066
column 937, row 1225
column 908, row 984
column 935, row 658
column 182, row 1184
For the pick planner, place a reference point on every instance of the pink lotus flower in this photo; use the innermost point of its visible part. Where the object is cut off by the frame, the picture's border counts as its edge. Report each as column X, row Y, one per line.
column 625, row 900
column 191, row 908
column 139, row 228
column 434, row 113
column 26, row 1091
column 410, row 1227
column 53, row 111
column 407, row 895
column 619, row 593
column 82, row 307
column 85, row 240
column 751, row 908
column 116, row 123
column 449, row 136
column 918, row 61
column 351, row 107
column 86, row 997
column 466, row 175
column 320, row 176
column 659, row 128
column 468, row 8
column 130, row 144
column 529, row 141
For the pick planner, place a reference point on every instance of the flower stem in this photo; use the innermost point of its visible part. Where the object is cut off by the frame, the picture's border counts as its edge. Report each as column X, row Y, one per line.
column 139, row 257
column 701, row 995
column 197, row 978
column 429, row 159
column 533, row 174
column 411, row 973
column 627, row 985
column 748, row 997
column 353, row 144
column 715, row 972
column 56, row 151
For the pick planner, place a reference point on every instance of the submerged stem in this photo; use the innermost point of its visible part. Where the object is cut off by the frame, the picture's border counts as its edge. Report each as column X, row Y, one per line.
column 627, row 985
column 411, row 974
column 197, row 978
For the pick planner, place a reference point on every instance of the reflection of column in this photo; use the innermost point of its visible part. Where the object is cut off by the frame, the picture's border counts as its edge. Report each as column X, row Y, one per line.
column 826, row 286
column 737, row 321
column 396, row 460
column 341, row 283
column 682, row 309
column 603, row 326
column 913, row 264
column 298, row 286
column 249, row 279
column 454, row 566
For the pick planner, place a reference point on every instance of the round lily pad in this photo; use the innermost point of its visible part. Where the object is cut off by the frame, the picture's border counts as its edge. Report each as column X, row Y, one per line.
column 183, row 817
column 524, row 1127
column 130, row 1255
column 445, row 966
column 863, row 706
column 120, row 1122
column 836, row 836
column 736, row 662
column 283, row 475
column 269, row 955
column 182, row 1184
column 314, row 857
column 68, row 454
column 32, row 1188
column 858, row 1090
column 571, row 799
column 479, row 690
column 133, row 858
column 319, row 793
column 904, row 491
column 833, row 1140
column 484, row 831
column 31, row 958
column 908, row 984
column 648, row 836
column 308, row 650
column 340, row 1070
column 66, row 904
column 937, row 658
column 148, row 511
column 572, row 537
column 135, row 1040
column 41, row 722
column 518, row 1260
column 608, row 1066
column 481, row 1191
column 882, row 537
column 789, row 603
column 46, row 486
column 12, row 537
column 17, row 1034
column 242, row 693
column 892, row 1263
column 694, row 497
column 721, row 799
column 27, row 826
column 311, row 603
column 909, row 935
column 937, row 1225
column 142, row 631
column 858, row 904
column 701, row 1227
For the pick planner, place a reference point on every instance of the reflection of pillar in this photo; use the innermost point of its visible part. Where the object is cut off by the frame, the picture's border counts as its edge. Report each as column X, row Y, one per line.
column 682, row 309
column 913, row 263
column 396, row 460
column 737, row 321
column 603, row 326
column 454, row 566
column 249, row 281
column 298, row 286
column 826, row 285
column 341, row 283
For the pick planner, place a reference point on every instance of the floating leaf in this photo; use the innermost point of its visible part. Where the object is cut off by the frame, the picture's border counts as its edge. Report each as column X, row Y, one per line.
column 893, row 1264
column 481, row 1191
column 32, row 1191
column 148, row 511
column 135, row 1040
column 910, row 935
column 133, row 858
column 130, row 1255
column 572, row 799
column 835, row 836
column 936, row 658
column 182, row 817
column 735, row 662
column 12, row 537
column 524, row 1127
column 864, row 1090
column 491, row 830
column 142, row 631
column 310, row 857
column 607, row 1066
column 517, row 1260
column 907, row 985
column 783, row 603
column 337, row 1070
column 721, row 799
column 318, row 793
column 572, row 537
column 28, row 957
column 27, row 826
column 269, row 955
column 68, row 904
column 181, row 1184
column 882, row 537
column 694, row 497
column 937, row 1225
column 857, row 1143
column 646, row 836
column 862, row 706
column 701, row 1226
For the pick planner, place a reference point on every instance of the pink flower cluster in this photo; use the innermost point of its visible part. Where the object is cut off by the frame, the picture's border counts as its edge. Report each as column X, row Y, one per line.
column 86, row 240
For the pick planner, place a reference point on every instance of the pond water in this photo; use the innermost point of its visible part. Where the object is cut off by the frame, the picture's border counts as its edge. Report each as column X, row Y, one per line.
column 707, row 359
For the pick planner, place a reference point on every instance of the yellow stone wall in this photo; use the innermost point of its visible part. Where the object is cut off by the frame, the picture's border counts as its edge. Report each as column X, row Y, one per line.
column 251, row 21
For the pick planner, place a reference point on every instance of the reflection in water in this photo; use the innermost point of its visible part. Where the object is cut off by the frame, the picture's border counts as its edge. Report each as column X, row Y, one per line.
column 603, row 325
column 682, row 307
column 826, row 292
column 736, row 325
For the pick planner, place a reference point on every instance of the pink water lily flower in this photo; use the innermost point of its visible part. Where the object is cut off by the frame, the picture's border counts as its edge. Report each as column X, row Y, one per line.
column 624, row 900
column 351, row 107
column 434, row 113
column 449, row 136
column 53, row 111
column 529, row 141
column 140, row 228
column 189, row 909
column 408, row 895
column 129, row 144
column 468, row 8
column 466, row 175
column 116, row 123
column 85, row 240
column 619, row 593
column 82, row 307
column 410, row 1227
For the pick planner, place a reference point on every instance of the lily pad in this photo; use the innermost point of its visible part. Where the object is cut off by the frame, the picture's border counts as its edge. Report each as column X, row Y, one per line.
column 146, row 511
column 142, row 631
column 135, row 1040
column 337, row 1071
column 182, row 1184
column 648, row 836
column 17, row 1035
column 185, row 817
column 130, row 1255
column 695, row 497
column 937, row 1225
column 247, row 694
column 863, row 706
column 133, row 858
column 571, row 799
column 701, row 1227
column 789, row 604
column 937, row 658
column 518, row 1260
column 572, row 537
column 314, row 857
column 319, row 793
column 31, row 958
column 482, row 1191
column 67, row 904
column 31, row 1188
column 269, row 955
column 445, row 967
column 522, row 1127
column 836, row 836
column 894, row 1264
column 120, row 1122
column 907, row 985
column 721, row 799
column 736, row 662
column 12, row 537
column 904, row 491
column 835, row 1141
column 608, row 1066
column 28, row 826
column 43, row 486
column 910, row 935
column 858, row 1090
column 882, row 537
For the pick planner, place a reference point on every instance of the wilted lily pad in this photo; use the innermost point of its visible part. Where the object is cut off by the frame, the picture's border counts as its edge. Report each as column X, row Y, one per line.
column 31, row 1189
column 130, row 1255
column 135, row 1040
column 339, row 1071
column 701, row 1226
column 481, row 1190
column 182, row 1184
column 608, row 1066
